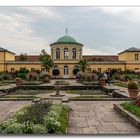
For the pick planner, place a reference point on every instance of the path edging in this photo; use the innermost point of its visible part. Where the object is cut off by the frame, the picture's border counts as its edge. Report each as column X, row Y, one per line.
column 131, row 117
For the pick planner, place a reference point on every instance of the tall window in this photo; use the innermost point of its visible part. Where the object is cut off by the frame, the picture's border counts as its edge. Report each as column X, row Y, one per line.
column 57, row 53
column 136, row 56
column 73, row 53
column 66, row 70
column 66, row 53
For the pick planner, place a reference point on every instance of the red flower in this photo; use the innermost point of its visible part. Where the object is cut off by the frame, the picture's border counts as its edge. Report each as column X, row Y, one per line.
column 138, row 103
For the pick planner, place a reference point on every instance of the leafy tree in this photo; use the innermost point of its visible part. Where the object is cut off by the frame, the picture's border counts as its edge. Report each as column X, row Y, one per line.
column 47, row 63
column 44, row 54
column 83, row 65
column 23, row 57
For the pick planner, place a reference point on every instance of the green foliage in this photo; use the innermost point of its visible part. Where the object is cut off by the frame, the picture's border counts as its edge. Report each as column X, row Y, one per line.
column 61, row 82
column 5, row 76
column 43, row 74
column 83, row 65
column 56, row 72
column 23, row 57
column 57, row 120
column 130, row 106
column 46, row 61
column 22, row 73
column 132, row 85
column 32, row 76
column 75, row 71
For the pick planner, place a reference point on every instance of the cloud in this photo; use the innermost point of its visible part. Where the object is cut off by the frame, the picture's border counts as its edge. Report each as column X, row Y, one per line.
column 87, row 51
column 129, row 13
column 42, row 12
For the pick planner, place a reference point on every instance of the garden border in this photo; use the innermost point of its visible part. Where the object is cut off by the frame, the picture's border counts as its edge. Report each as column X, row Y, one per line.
column 131, row 117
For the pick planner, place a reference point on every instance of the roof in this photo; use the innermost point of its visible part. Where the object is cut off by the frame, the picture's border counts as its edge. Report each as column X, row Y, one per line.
column 5, row 50
column 101, row 57
column 132, row 49
column 29, row 58
column 66, row 40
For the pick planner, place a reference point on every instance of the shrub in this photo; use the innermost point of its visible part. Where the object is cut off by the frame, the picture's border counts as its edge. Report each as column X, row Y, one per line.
column 22, row 73
column 132, row 85
column 32, row 76
column 39, row 129
column 75, row 71
column 43, row 74
column 6, row 76
column 56, row 72
column 57, row 120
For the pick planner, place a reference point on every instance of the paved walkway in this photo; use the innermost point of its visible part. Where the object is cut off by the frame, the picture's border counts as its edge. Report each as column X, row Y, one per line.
column 95, row 117
column 7, row 108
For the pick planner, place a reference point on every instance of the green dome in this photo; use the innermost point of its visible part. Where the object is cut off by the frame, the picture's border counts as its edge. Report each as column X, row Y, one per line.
column 66, row 40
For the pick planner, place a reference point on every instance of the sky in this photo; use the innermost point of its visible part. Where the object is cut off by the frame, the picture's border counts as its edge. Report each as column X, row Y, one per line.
column 102, row 30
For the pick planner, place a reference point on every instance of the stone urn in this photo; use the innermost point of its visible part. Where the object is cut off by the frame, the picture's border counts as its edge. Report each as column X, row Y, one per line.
column 18, row 81
column 133, row 89
column 46, row 79
column 102, row 82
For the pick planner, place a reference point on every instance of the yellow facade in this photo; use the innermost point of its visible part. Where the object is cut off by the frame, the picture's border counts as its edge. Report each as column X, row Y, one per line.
column 66, row 53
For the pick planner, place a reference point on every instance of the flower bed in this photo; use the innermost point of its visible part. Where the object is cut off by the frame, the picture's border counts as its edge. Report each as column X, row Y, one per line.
column 37, row 119
column 131, row 107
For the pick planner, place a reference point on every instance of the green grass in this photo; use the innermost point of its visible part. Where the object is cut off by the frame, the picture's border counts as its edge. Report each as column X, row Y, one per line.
column 31, row 92
column 91, row 97
column 17, row 96
column 85, row 92
column 121, row 84
column 134, row 109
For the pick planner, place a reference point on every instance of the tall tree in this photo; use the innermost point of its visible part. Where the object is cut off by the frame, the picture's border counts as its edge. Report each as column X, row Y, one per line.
column 46, row 60
column 83, row 65
column 23, row 57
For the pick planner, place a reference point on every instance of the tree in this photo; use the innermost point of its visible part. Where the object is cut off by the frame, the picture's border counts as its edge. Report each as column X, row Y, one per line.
column 83, row 65
column 56, row 72
column 47, row 63
column 44, row 54
column 23, row 57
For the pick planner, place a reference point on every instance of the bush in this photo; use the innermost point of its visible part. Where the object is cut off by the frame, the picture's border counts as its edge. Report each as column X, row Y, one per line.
column 132, row 85
column 75, row 71
column 43, row 74
column 39, row 129
column 22, row 73
column 6, row 76
column 32, row 76
column 57, row 120
column 56, row 72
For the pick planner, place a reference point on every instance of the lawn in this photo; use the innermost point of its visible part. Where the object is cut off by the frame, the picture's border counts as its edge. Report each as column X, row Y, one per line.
column 86, row 92
column 37, row 119
column 91, row 97
column 131, row 107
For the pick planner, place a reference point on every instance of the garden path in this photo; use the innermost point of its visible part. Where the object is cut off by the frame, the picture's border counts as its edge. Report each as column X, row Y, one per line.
column 7, row 108
column 95, row 117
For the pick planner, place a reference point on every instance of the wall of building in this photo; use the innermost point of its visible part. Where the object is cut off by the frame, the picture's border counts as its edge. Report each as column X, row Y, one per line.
column 128, row 56
column 105, row 67
column 70, row 47
column 20, row 65
column 9, row 56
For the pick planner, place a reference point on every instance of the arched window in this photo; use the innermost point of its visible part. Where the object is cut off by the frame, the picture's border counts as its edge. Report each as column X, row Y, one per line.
column 73, row 53
column 66, row 70
column 57, row 53
column 66, row 53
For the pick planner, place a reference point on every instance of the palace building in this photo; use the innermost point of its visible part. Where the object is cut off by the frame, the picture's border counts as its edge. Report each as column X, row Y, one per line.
column 66, row 52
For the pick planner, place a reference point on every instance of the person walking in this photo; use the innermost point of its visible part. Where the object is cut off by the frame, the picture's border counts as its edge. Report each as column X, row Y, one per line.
column 106, row 78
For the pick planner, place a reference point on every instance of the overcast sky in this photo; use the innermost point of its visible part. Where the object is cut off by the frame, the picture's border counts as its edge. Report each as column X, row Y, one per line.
column 102, row 30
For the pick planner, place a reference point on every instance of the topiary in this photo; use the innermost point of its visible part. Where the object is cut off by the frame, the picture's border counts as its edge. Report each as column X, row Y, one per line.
column 75, row 71
column 132, row 85
column 43, row 74
column 56, row 72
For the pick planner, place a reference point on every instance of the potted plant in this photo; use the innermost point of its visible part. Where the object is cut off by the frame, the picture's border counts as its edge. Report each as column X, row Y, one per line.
column 44, row 76
column 133, row 89
column 102, row 82
column 18, row 81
